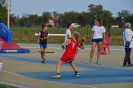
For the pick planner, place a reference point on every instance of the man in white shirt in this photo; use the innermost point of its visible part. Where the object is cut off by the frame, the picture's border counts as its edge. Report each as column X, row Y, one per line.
column 68, row 31
column 128, row 37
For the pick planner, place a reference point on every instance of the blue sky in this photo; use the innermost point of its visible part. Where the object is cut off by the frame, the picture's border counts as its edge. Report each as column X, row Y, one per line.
column 18, row 7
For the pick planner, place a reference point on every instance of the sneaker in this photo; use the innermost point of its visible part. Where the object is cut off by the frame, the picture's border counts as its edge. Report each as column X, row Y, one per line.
column 43, row 62
column 124, row 65
column 76, row 74
column 129, row 65
column 56, row 76
column 98, row 62
column 89, row 61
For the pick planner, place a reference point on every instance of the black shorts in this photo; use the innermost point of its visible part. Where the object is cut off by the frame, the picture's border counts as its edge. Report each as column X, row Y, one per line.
column 97, row 40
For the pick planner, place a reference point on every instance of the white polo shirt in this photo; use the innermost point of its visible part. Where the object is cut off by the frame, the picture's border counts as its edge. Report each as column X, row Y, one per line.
column 128, row 33
column 98, row 32
column 68, row 32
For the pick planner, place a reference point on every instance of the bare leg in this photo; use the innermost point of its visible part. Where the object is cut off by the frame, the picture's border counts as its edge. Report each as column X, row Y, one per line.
column 99, row 50
column 92, row 50
column 73, row 66
column 59, row 66
column 42, row 53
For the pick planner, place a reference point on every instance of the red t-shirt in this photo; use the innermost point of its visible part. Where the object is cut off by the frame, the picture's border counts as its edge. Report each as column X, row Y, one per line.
column 72, row 48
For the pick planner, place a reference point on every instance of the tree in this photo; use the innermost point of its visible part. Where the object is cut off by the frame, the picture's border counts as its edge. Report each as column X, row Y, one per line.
column 25, row 18
column 46, row 16
column 121, row 17
column 13, row 20
column 82, row 18
column 20, row 22
column 69, row 17
column 39, row 20
column 3, row 11
column 106, row 14
column 95, row 11
column 33, row 19
column 107, row 20
column 129, row 18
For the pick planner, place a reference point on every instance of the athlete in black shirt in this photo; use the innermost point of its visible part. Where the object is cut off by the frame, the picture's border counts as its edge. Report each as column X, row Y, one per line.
column 43, row 36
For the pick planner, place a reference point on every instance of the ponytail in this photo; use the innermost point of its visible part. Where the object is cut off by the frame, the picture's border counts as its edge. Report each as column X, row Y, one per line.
column 100, row 22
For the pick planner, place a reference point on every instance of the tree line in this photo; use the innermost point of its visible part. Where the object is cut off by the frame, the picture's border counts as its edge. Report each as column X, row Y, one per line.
column 84, row 18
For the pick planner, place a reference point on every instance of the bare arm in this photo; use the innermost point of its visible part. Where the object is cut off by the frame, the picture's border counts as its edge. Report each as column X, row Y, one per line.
column 66, row 42
column 81, row 45
column 92, row 35
column 40, row 38
column 68, row 36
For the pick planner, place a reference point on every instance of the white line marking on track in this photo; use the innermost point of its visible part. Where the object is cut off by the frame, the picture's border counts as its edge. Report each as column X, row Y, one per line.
column 49, row 81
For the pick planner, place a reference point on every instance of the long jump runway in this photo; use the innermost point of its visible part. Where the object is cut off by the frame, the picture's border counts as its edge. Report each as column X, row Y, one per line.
column 92, row 75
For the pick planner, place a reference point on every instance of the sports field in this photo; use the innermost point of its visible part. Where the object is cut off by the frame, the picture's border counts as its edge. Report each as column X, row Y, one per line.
column 27, row 71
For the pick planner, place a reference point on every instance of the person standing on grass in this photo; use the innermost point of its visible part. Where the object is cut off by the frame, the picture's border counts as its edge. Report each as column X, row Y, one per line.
column 128, row 43
column 43, row 36
column 98, row 37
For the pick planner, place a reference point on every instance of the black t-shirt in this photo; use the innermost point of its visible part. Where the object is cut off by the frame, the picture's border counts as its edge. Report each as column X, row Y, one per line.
column 43, row 34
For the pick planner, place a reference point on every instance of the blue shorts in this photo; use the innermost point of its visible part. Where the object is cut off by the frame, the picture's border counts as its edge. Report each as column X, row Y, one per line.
column 97, row 40
column 43, row 46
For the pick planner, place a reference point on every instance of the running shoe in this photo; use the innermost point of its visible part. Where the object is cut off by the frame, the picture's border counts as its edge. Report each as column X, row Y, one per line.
column 124, row 65
column 56, row 76
column 129, row 65
column 43, row 61
column 89, row 61
column 76, row 74
column 98, row 62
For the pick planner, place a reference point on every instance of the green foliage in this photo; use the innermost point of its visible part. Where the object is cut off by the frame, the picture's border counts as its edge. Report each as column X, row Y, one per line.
column 46, row 16
column 2, row 86
column 123, row 16
column 95, row 11
column 20, row 22
column 3, row 11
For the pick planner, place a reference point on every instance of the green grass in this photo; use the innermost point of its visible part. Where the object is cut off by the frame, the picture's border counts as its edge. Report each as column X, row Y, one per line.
column 33, row 30
column 29, row 37
column 3, row 86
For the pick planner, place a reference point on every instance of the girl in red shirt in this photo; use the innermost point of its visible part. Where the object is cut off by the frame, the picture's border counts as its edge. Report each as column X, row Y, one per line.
column 70, row 53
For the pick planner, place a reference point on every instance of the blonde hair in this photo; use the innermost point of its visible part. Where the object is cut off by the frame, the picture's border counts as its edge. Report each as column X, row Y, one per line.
column 76, row 35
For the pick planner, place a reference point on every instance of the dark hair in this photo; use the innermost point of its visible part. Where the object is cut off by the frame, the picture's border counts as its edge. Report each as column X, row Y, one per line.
column 44, row 26
column 68, row 25
column 100, row 22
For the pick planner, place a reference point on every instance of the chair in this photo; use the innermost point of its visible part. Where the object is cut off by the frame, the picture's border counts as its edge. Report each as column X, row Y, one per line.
column 106, row 46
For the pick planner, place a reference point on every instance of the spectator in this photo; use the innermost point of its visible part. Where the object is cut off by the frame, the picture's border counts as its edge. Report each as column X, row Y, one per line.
column 98, row 36
column 128, row 44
